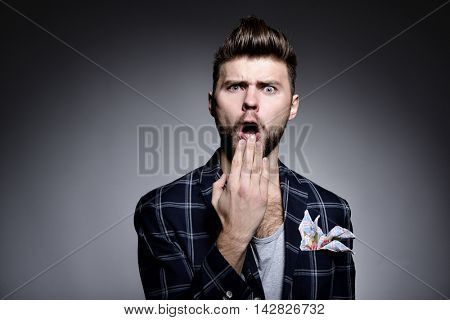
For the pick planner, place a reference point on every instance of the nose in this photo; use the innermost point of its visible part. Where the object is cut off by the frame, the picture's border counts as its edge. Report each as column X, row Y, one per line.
column 250, row 100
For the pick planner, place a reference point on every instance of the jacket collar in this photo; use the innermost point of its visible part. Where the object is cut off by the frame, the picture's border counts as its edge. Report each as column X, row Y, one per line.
column 294, row 199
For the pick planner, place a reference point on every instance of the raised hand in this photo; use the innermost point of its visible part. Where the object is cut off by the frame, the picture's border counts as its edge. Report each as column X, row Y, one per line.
column 241, row 205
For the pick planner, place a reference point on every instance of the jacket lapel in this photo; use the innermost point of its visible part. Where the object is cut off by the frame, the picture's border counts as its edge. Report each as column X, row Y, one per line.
column 208, row 174
column 294, row 205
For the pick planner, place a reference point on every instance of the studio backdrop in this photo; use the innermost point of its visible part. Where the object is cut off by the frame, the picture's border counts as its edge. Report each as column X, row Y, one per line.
column 104, row 101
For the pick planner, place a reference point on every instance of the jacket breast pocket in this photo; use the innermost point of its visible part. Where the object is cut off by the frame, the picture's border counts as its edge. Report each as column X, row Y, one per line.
column 313, row 275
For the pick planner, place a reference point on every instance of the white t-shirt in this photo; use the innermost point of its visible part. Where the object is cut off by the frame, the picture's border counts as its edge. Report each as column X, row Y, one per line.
column 269, row 258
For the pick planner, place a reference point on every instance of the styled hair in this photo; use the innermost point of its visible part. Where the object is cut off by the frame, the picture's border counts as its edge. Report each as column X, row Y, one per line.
column 254, row 38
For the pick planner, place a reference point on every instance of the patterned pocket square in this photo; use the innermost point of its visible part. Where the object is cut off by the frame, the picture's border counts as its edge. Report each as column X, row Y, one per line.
column 313, row 237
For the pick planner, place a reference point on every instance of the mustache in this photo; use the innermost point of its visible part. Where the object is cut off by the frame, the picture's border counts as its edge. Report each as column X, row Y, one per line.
column 229, row 129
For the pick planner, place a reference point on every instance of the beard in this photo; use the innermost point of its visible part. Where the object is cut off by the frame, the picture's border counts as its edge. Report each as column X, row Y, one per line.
column 229, row 137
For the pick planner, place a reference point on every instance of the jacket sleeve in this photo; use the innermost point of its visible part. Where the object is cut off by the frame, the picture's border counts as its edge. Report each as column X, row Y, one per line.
column 167, row 273
column 344, row 273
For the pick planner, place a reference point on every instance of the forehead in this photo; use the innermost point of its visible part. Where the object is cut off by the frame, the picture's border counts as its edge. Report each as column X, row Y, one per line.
column 254, row 69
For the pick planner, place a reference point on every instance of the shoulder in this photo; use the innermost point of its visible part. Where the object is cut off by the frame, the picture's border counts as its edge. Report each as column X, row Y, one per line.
column 315, row 193
column 318, row 195
column 160, row 208
column 172, row 192
column 318, row 198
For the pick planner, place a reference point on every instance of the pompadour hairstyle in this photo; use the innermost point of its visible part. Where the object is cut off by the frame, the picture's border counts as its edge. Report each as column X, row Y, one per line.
column 254, row 38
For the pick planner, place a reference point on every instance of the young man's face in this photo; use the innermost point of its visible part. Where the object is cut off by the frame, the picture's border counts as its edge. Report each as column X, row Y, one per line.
column 253, row 95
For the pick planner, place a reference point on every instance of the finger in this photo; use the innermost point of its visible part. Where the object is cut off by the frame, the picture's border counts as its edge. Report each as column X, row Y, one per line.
column 217, row 189
column 248, row 161
column 264, row 182
column 257, row 165
column 236, row 163
column 274, row 169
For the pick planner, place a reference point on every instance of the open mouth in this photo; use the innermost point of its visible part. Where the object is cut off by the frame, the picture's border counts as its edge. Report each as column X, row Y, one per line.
column 249, row 128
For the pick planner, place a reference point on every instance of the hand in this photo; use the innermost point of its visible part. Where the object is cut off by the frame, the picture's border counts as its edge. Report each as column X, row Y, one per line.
column 242, row 204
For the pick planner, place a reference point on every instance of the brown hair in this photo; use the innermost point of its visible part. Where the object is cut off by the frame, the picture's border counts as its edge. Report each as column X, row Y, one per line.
column 254, row 38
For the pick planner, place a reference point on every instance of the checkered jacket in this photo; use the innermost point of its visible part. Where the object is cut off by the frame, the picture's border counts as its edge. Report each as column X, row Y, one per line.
column 178, row 259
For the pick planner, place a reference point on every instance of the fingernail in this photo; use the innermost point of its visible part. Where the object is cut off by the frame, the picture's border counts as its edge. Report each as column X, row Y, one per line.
column 252, row 137
column 241, row 142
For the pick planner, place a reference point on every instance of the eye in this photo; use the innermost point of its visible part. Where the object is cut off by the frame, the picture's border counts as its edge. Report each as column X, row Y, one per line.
column 234, row 87
column 269, row 89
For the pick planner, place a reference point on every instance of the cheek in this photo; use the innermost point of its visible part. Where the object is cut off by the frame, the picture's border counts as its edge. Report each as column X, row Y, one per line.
column 275, row 111
column 229, row 102
column 227, row 112
column 225, row 118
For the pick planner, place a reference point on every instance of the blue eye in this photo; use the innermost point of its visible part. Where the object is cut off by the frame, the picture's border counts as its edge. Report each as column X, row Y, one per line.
column 269, row 89
column 234, row 87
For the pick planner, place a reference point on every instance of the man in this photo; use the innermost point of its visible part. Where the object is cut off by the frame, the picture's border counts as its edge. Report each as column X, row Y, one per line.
column 230, row 229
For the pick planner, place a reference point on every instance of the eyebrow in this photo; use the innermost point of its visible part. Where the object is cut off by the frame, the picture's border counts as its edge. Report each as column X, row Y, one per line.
column 265, row 82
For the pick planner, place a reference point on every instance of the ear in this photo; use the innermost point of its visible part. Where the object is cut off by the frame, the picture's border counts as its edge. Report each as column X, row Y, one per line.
column 211, row 104
column 294, row 106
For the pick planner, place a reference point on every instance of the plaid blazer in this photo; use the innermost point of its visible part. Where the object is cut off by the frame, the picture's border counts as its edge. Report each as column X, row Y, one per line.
column 177, row 228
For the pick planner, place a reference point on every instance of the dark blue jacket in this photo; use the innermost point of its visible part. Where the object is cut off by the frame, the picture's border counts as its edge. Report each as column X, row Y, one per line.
column 177, row 228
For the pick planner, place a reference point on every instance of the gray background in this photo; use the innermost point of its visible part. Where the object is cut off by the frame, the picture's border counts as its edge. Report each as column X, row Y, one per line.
column 68, row 137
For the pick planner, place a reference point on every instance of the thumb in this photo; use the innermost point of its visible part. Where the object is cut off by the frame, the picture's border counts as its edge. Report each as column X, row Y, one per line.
column 217, row 189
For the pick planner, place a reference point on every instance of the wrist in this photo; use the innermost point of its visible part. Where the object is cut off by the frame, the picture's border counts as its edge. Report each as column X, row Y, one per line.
column 230, row 241
column 233, row 251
